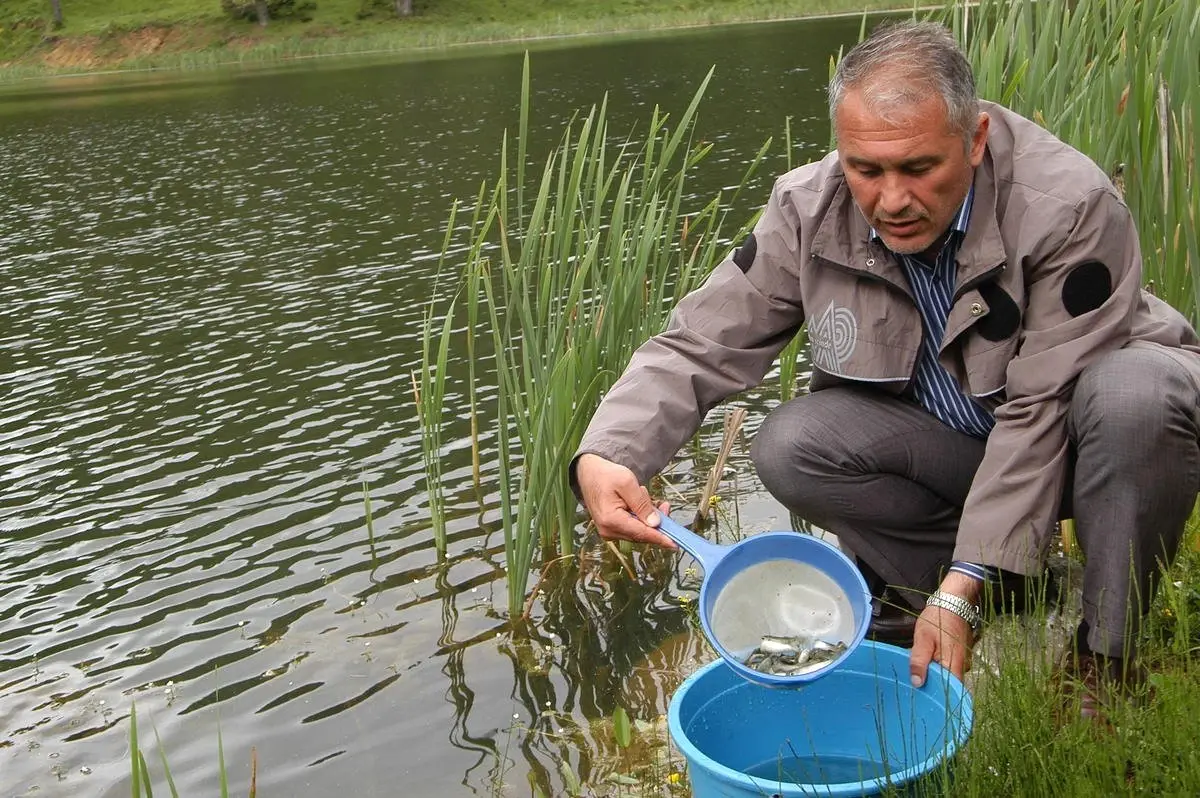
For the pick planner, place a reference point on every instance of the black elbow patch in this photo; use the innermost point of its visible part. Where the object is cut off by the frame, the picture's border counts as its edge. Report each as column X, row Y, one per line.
column 1087, row 287
column 1003, row 318
column 743, row 256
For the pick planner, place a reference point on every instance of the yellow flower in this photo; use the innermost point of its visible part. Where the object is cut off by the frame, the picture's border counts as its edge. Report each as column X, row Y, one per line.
column 714, row 500
column 675, row 779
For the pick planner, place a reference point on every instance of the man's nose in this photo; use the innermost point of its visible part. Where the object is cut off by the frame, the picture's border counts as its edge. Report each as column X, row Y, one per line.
column 894, row 198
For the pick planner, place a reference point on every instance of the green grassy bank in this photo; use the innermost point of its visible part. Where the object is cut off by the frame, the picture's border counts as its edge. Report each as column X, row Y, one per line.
column 141, row 34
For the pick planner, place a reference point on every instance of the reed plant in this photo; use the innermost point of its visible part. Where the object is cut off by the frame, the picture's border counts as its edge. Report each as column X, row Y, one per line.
column 1118, row 80
column 566, row 272
column 140, row 779
column 789, row 358
column 429, row 390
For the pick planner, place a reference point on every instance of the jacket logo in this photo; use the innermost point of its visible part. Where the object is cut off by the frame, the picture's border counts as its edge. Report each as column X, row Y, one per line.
column 833, row 335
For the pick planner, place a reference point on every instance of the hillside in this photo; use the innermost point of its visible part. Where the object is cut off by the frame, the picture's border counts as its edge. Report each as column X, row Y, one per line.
column 107, row 34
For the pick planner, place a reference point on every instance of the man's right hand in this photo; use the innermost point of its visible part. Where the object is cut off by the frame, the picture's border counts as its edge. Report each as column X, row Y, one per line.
column 611, row 492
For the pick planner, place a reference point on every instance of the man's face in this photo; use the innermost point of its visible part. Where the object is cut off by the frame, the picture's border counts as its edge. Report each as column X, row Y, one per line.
column 908, row 178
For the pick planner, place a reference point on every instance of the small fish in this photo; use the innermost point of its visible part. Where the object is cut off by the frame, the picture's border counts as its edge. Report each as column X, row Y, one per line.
column 790, row 656
column 784, row 648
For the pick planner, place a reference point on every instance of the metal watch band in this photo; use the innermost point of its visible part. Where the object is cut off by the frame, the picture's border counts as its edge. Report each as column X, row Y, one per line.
column 959, row 606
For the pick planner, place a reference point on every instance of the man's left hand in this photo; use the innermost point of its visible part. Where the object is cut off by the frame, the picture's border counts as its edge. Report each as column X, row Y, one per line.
column 942, row 636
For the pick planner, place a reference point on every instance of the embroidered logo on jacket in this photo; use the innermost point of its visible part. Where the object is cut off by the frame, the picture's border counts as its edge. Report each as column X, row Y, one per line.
column 833, row 335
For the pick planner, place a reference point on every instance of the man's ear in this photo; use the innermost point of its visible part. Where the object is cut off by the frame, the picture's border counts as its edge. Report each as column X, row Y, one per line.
column 979, row 140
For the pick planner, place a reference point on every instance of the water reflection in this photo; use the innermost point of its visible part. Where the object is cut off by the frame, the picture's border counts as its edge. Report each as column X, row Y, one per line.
column 602, row 641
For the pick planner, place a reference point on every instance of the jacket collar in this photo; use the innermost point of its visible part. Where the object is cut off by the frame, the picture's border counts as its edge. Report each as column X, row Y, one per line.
column 982, row 248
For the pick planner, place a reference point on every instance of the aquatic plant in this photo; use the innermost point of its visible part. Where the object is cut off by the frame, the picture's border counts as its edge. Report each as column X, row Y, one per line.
column 789, row 358
column 571, row 270
column 139, row 771
column 429, row 389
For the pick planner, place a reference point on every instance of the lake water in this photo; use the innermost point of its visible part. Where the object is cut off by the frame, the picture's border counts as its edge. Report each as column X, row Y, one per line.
column 212, row 285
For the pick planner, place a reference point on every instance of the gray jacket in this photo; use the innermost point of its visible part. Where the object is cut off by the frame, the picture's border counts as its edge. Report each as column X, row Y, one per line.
column 1049, row 279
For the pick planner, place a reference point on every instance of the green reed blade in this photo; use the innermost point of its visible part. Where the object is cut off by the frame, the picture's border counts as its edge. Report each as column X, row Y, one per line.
column 162, row 757
column 223, row 776
column 135, row 760
column 523, row 138
column 145, row 775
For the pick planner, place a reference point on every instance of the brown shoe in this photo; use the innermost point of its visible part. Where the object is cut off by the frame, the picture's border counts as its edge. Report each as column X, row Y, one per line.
column 1096, row 683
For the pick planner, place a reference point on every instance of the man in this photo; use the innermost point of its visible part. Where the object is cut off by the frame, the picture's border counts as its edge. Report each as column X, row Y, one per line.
column 983, row 358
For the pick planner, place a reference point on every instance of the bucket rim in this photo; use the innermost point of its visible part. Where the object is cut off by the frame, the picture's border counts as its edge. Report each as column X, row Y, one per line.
column 695, row 757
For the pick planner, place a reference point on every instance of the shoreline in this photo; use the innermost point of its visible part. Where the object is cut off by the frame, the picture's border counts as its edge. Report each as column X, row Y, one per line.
column 260, row 55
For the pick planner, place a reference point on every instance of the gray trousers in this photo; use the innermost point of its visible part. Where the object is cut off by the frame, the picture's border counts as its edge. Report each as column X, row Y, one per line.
column 890, row 481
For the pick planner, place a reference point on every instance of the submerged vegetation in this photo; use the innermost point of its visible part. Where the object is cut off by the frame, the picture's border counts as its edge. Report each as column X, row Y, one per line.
column 141, row 778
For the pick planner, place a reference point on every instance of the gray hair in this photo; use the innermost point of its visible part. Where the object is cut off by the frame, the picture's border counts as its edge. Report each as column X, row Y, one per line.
column 897, row 67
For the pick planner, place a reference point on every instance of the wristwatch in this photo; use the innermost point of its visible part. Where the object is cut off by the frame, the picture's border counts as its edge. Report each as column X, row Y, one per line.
column 959, row 606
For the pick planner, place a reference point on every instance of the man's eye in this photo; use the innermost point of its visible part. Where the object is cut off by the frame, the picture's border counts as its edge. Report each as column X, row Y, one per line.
column 919, row 169
column 868, row 171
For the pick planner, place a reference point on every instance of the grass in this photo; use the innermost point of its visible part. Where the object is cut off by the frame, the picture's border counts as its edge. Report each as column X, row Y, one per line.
column 790, row 356
column 429, row 390
column 190, row 34
column 1019, row 745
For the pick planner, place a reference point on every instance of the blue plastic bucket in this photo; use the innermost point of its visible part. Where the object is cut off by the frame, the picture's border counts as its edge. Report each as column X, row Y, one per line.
column 859, row 730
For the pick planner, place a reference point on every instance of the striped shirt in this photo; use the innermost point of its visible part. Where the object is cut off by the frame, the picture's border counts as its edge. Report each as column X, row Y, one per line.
column 935, row 389
column 933, row 290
